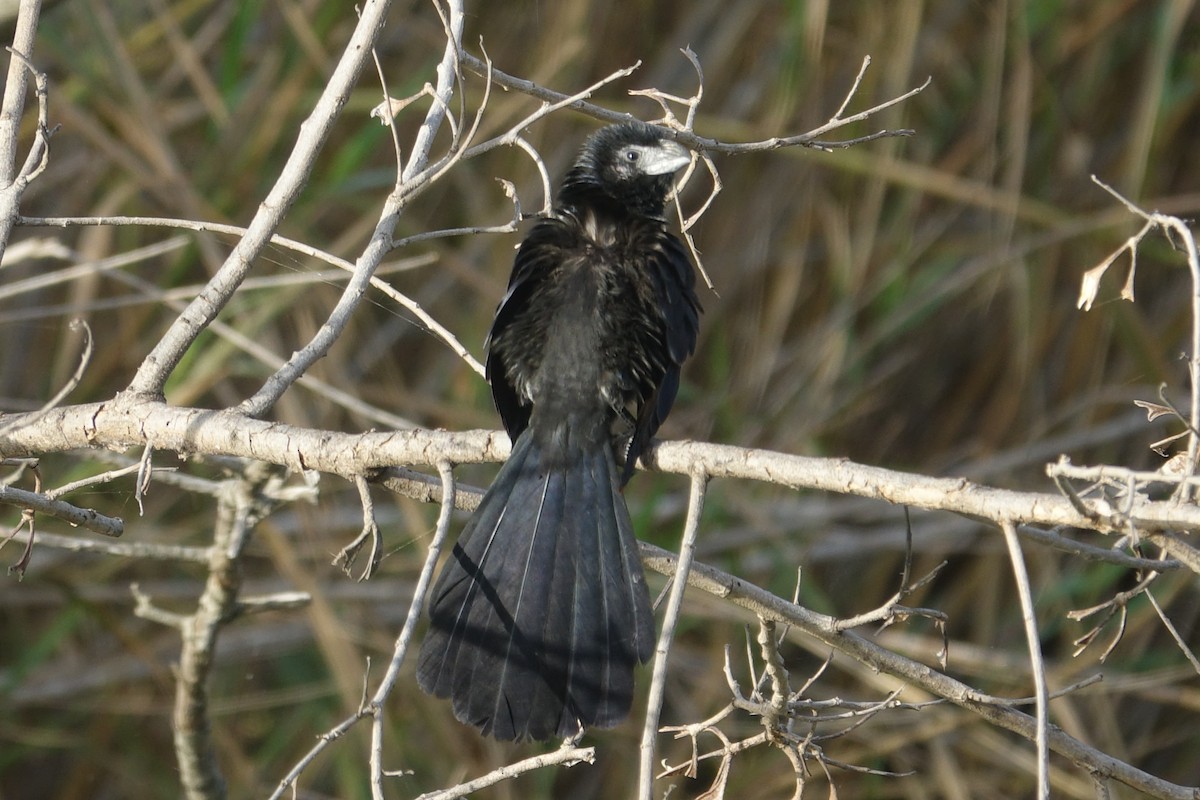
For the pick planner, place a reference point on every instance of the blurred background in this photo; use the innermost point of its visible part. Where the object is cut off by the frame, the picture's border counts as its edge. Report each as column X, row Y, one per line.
column 908, row 303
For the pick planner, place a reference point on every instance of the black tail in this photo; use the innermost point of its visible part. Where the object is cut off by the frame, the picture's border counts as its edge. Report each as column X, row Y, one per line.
column 542, row 612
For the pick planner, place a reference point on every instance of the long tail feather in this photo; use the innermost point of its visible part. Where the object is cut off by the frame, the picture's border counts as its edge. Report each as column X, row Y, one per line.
column 541, row 613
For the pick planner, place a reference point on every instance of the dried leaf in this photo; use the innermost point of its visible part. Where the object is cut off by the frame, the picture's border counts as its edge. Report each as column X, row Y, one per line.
column 1127, row 289
column 1154, row 410
column 1176, row 465
column 1091, row 283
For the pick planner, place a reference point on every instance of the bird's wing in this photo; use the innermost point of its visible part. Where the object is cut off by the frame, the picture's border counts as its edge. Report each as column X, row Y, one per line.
column 674, row 281
column 535, row 263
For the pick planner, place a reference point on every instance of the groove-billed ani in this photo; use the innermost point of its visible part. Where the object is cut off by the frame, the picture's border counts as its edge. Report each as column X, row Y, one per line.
column 541, row 613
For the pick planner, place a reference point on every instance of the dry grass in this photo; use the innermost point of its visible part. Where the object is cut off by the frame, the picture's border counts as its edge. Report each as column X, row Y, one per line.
column 909, row 303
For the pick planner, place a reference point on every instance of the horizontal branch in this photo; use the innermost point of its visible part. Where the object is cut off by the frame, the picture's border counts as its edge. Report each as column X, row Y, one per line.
column 132, row 421
column 687, row 137
column 568, row 756
column 152, row 551
column 80, row 517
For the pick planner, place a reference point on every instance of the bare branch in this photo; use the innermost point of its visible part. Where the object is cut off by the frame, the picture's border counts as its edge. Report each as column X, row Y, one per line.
column 145, row 470
column 1092, row 553
column 151, row 551
column 560, row 101
column 374, row 707
column 1170, row 626
column 370, row 530
column 270, row 392
column 510, row 191
column 774, row 669
column 823, row 628
column 128, row 421
column 891, row 610
column 85, row 358
column 145, row 609
column 695, row 142
column 83, row 517
column 687, row 549
column 568, row 756
column 1037, row 664
column 543, row 173
column 13, row 182
column 152, row 375
column 237, row 513
column 1170, row 225
column 280, row 601
column 15, row 86
column 265, row 356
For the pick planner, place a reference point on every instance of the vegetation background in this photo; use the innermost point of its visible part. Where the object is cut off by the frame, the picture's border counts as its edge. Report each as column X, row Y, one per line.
column 908, row 303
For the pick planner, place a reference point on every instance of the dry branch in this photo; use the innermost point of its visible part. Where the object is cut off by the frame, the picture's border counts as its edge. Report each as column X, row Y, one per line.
column 82, row 517
column 825, row 628
column 157, row 366
column 138, row 419
column 128, row 421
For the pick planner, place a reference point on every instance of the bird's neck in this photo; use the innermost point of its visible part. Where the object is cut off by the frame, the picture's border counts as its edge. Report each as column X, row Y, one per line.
column 581, row 190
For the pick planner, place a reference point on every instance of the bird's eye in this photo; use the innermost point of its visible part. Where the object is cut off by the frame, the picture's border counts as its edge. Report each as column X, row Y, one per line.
column 631, row 155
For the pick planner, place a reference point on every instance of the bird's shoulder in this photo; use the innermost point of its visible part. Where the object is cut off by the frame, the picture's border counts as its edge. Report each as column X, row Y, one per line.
column 573, row 237
column 586, row 231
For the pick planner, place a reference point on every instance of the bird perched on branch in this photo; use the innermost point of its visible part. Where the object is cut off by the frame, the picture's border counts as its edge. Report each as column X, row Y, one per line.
column 541, row 612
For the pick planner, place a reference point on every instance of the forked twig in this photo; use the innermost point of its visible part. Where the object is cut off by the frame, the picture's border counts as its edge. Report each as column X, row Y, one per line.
column 345, row 557
column 1170, row 225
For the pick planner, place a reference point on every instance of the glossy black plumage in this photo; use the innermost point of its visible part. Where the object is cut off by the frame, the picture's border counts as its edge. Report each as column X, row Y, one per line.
column 541, row 613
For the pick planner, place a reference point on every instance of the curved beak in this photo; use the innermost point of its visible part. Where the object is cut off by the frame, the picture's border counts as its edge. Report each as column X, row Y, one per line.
column 666, row 157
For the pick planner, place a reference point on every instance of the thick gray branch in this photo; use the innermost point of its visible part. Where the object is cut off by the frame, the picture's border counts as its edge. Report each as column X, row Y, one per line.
column 129, row 421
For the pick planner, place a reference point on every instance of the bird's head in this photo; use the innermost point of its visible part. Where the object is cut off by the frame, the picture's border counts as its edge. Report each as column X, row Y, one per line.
column 632, row 163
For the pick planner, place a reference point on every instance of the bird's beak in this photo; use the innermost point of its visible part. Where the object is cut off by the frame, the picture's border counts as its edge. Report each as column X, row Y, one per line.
column 666, row 157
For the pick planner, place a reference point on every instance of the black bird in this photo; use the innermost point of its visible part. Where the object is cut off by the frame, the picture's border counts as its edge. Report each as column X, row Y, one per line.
column 541, row 612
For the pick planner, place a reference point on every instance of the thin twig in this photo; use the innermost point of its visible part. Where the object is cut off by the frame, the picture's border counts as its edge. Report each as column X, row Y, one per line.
column 144, row 608
column 374, row 707
column 410, row 626
column 145, row 470
column 510, row 191
column 150, row 551
column 85, row 358
column 370, row 530
column 695, row 142
column 567, row 756
column 1036, row 662
column 510, row 136
column 687, row 549
column 1187, row 651
column 91, row 480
